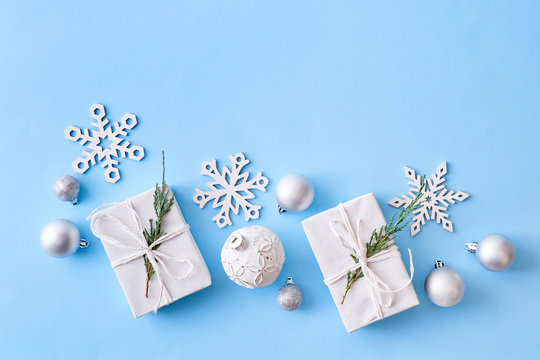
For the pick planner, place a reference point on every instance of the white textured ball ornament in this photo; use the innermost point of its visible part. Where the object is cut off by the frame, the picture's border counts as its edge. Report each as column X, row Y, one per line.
column 444, row 286
column 289, row 297
column 61, row 238
column 253, row 256
column 66, row 188
column 495, row 252
column 294, row 193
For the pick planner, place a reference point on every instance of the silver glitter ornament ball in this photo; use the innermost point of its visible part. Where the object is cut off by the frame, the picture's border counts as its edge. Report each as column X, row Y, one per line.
column 66, row 188
column 294, row 193
column 495, row 252
column 289, row 297
column 444, row 286
column 61, row 238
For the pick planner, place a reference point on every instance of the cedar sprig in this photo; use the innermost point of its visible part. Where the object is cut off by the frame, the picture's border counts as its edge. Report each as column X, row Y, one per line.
column 383, row 238
column 163, row 201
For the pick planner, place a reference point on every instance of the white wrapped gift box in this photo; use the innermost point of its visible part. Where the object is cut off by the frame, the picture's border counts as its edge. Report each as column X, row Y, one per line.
column 364, row 303
column 181, row 267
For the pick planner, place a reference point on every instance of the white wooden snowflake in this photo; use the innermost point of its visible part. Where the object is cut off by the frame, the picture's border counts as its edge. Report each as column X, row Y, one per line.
column 105, row 143
column 230, row 190
column 436, row 199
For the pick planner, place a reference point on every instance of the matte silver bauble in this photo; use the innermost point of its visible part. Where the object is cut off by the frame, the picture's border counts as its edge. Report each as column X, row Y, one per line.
column 294, row 193
column 444, row 286
column 66, row 188
column 495, row 252
column 289, row 297
column 61, row 238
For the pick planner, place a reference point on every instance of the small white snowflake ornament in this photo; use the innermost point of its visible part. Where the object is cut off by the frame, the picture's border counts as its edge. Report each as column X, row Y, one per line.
column 435, row 200
column 230, row 190
column 98, row 150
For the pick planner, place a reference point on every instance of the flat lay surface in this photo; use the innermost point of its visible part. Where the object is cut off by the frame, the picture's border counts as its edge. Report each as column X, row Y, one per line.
column 346, row 93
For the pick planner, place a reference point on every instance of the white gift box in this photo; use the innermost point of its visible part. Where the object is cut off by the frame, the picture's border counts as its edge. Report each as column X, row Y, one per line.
column 330, row 234
column 179, row 265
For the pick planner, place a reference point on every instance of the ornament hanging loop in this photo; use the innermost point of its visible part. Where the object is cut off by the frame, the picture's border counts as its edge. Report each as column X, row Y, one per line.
column 471, row 247
column 83, row 243
column 281, row 210
column 439, row 264
column 290, row 280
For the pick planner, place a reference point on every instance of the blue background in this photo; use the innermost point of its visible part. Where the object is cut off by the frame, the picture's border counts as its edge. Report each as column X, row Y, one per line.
column 345, row 92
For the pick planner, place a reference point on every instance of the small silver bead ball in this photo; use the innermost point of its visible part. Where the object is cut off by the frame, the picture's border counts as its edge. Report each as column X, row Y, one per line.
column 495, row 252
column 60, row 238
column 289, row 297
column 294, row 193
column 66, row 188
column 444, row 286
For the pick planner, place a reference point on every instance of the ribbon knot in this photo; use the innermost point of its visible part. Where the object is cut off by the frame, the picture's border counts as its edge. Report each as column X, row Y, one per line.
column 157, row 258
column 379, row 291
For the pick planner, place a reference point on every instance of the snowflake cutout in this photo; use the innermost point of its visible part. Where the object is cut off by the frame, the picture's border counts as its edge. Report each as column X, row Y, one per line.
column 230, row 190
column 97, row 150
column 436, row 199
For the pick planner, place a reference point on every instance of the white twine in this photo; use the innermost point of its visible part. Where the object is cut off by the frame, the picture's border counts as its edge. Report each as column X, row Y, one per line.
column 380, row 293
column 142, row 248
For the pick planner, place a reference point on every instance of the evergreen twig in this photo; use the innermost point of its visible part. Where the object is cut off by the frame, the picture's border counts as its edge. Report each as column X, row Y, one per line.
column 383, row 238
column 163, row 201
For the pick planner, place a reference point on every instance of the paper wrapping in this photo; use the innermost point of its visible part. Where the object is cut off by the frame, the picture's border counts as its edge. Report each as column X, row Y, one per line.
column 132, row 275
column 358, row 309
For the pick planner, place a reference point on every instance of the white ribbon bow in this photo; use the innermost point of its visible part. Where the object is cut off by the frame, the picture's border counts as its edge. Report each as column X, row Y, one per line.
column 381, row 294
column 142, row 248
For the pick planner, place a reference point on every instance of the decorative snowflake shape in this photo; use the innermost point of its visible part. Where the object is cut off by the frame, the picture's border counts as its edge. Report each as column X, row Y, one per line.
column 230, row 190
column 435, row 199
column 96, row 143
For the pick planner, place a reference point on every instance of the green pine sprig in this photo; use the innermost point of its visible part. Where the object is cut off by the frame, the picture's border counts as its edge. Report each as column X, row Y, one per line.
column 383, row 238
column 163, row 201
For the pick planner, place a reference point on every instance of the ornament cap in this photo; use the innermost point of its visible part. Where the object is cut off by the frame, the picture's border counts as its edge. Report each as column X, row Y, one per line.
column 280, row 209
column 471, row 247
column 290, row 280
column 83, row 243
column 439, row 264
column 235, row 241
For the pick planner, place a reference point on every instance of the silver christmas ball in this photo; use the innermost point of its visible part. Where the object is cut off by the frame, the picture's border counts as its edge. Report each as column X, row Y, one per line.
column 444, row 286
column 495, row 252
column 289, row 297
column 294, row 193
column 61, row 238
column 67, row 188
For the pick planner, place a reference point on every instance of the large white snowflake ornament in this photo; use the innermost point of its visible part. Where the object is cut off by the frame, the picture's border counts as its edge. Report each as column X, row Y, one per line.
column 98, row 149
column 230, row 190
column 436, row 199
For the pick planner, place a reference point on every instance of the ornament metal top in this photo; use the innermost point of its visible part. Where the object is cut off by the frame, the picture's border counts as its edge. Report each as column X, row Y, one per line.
column 60, row 238
column 495, row 252
column 294, row 192
column 66, row 188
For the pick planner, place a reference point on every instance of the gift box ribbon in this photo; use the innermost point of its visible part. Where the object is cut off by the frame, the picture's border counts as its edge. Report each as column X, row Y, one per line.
column 157, row 258
column 380, row 293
